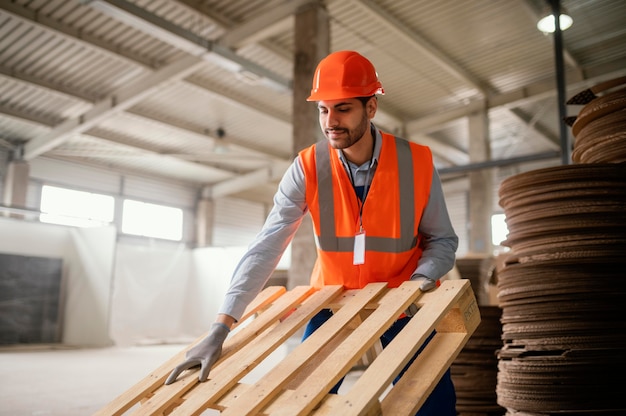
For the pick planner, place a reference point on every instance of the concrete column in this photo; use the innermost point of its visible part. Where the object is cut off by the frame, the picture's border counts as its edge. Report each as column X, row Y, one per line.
column 4, row 166
column 15, row 185
column 312, row 43
column 205, row 216
column 481, row 185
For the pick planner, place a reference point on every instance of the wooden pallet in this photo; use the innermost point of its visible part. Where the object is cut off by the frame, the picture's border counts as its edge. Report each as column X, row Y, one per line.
column 299, row 383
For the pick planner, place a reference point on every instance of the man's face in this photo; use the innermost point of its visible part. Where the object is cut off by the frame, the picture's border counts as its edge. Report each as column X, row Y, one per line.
column 345, row 121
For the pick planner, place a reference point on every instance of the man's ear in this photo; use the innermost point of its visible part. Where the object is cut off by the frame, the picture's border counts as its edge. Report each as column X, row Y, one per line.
column 371, row 107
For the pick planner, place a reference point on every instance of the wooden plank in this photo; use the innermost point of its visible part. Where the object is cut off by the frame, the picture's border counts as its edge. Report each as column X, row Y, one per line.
column 245, row 398
column 265, row 389
column 166, row 396
column 146, row 387
column 330, row 371
column 262, row 301
column 332, row 333
column 453, row 331
column 412, row 390
column 446, row 300
column 229, row 371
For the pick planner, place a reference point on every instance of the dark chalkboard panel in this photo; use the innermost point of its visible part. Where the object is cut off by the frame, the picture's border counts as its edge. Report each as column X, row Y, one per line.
column 30, row 289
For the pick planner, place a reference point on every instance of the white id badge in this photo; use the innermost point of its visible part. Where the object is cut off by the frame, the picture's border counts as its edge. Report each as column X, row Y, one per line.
column 359, row 248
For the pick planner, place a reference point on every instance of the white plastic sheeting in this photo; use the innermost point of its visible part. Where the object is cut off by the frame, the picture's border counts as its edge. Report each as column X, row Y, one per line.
column 90, row 253
column 165, row 295
column 87, row 255
column 127, row 294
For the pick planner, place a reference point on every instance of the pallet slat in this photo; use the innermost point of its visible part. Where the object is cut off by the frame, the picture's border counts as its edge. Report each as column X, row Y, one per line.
column 299, row 383
column 218, row 382
column 145, row 388
column 261, row 392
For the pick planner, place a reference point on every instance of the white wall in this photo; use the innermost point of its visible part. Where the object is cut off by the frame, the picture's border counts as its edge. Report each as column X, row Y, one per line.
column 87, row 255
column 124, row 290
column 126, row 294
column 149, row 290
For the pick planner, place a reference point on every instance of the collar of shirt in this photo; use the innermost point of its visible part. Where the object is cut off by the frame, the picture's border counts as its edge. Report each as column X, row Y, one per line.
column 359, row 173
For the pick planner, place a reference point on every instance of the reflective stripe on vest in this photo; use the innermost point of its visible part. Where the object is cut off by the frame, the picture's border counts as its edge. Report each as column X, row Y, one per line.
column 328, row 240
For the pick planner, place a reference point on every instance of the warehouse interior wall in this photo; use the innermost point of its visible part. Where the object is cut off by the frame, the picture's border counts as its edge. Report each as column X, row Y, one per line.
column 124, row 294
column 87, row 255
column 148, row 296
column 168, row 295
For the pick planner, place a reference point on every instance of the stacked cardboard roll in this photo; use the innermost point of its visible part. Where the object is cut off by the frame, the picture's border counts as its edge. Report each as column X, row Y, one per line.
column 562, row 288
column 474, row 371
column 599, row 128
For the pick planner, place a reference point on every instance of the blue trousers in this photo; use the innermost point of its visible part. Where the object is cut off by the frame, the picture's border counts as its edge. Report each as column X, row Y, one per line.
column 441, row 402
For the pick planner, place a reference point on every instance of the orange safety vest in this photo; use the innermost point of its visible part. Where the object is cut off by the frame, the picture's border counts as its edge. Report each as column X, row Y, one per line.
column 394, row 205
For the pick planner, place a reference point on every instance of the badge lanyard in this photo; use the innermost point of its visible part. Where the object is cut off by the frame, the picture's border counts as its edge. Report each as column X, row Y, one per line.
column 359, row 237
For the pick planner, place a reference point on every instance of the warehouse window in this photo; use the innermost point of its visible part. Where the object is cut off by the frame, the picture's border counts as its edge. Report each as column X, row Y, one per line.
column 76, row 208
column 499, row 229
column 152, row 220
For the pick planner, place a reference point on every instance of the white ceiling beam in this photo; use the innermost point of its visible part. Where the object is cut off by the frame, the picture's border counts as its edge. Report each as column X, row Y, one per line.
column 427, row 48
column 442, row 150
column 531, row 124
column 7, row 144
column 577, row 80
column 226, row 187
column 120, row 100
column 237, row 40
column 24, row 115
column 28, row 15
column 187, row 41
column 105, row 136
column 424, row 46
column 126, row 151
column 245, row 181
column 237, row 101
column 227, row 24
column 270, row 22
column 46, row 85
column 392, row 124
column 388, row 122
column 141, row 155
column 432, row 122
column 149, row 23
column 236, row 144
column 80, row 95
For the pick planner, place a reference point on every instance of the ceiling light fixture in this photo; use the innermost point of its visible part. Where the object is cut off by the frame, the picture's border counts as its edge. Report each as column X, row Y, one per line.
column 219, row 146
column 547, row 23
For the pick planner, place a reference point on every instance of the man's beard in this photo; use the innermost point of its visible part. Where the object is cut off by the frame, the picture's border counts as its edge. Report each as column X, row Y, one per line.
column 351, row 135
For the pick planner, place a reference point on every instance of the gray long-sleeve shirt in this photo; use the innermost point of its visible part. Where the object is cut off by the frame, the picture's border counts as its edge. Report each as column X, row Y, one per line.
column 264, row 253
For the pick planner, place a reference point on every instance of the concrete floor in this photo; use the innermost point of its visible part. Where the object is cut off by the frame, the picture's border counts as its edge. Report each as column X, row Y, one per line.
column 45, row 381
column 63, row 381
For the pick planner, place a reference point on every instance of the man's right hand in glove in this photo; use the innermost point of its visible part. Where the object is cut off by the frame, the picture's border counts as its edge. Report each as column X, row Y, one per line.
column 204, row 354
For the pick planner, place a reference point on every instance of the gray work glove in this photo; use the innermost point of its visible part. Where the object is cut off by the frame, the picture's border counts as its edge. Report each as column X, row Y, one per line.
column 204, row 354
column 426, row 282
column 426, row 285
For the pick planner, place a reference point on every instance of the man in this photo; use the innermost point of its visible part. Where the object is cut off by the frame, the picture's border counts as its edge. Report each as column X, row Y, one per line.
column 377, row 208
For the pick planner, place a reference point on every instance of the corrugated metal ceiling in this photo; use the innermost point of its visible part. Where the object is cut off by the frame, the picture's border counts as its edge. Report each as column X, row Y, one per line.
column 121, row 83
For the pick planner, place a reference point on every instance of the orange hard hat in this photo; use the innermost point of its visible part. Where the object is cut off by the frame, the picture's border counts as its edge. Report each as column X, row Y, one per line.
column 344, row 74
